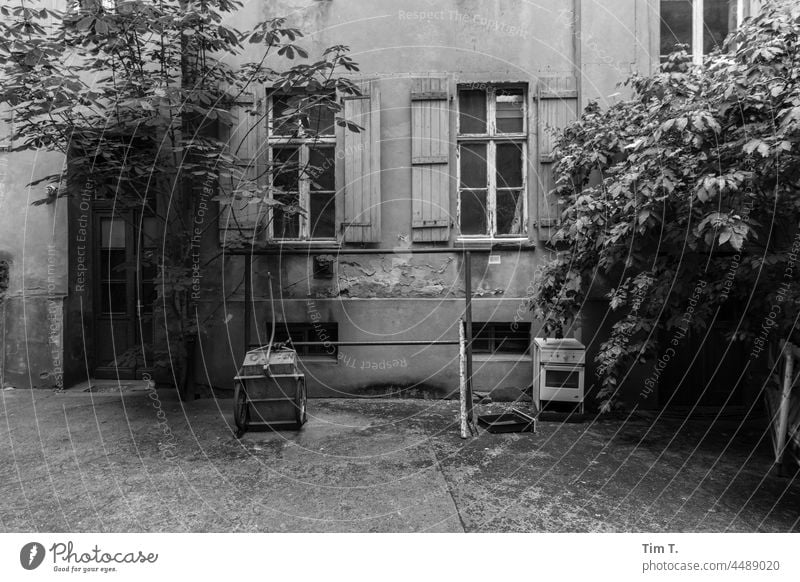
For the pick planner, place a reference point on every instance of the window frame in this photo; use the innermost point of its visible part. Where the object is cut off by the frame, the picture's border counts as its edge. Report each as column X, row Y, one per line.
column 698, row 27
column 304, row 146
column 491, row 138
column 491, row 328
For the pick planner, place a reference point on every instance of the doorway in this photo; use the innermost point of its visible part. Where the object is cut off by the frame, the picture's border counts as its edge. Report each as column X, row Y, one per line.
column 125, row 245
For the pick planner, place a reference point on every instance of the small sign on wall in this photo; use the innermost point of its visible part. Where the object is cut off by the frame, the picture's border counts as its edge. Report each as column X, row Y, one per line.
column 494, row 259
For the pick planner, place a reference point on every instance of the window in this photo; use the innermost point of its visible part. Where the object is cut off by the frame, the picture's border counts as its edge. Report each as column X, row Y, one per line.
column 701, row 24
column 6, row 127
column 492, row 152
column 308, row 332
column 501, row 338
column 302, row 166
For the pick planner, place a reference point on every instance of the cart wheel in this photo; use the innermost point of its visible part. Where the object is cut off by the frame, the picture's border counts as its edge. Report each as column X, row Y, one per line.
column 300, row 403
column 241, row 411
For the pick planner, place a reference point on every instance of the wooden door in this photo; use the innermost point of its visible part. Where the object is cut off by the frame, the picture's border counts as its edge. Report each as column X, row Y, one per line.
column 124, row 272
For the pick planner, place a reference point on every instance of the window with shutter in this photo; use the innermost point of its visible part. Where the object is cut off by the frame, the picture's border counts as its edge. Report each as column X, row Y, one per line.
column 242, row 211
column 430, row 158
column 362, row 164
column 557, row 106
column 302, row 164
column 492, row 161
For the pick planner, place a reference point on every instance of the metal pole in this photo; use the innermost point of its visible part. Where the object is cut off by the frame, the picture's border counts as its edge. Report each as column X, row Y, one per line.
column 248, row 300
column 468, row 327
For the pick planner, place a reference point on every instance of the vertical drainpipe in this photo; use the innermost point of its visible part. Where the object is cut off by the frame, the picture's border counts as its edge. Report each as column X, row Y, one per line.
column 248, row 300
column 468, row 328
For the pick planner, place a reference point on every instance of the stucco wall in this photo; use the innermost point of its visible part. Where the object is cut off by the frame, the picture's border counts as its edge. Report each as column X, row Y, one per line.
column 33, row 243
column 402, row 296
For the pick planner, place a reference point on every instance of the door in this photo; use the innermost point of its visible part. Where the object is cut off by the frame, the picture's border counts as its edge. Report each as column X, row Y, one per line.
column 125, row 244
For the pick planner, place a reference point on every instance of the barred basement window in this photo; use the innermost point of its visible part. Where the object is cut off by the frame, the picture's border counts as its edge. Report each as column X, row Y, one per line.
column 501, row 338
column 308, row 332
column 492, row 150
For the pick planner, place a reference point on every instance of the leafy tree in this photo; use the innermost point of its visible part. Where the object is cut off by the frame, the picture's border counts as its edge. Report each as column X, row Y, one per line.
column 137, row 97
column 683, row 200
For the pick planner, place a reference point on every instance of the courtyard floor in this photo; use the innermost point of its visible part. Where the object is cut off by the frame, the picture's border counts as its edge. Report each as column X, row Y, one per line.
column 134, row 460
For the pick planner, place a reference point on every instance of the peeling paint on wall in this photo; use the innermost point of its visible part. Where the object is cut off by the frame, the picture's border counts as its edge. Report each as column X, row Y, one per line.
column 397, row 275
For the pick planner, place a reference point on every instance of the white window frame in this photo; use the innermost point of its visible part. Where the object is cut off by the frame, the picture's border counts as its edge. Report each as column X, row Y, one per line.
column 698, row 25
column 304, row 145
column 491, row 139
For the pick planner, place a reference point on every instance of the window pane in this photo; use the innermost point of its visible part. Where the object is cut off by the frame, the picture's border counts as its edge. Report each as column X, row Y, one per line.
column 509, row 212
column 472, row 111
column 148, row 264
column 321, row 119
column 114, row 297
column 509, row 105
column 113, row 233
column 322, row 215
column 482, row 338
column 676, row 24
column 501, row 337
column 285, row 168
column 112, row 264
column 286, row 221
column 473, row 212
column 284, row 115
column 509, row 165
column 150, row 237
column 321, row 170
column 719, row 17
column 148, row 297
column 473, row 165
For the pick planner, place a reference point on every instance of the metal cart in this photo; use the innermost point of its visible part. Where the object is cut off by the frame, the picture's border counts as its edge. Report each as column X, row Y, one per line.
column 270, row 390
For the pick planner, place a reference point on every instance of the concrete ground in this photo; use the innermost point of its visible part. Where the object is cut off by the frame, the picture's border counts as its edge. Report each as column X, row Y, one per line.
column 141, row 461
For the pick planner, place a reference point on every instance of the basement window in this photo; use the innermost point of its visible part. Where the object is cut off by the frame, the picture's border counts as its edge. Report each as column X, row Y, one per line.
column 308, row 332
column 501, row 338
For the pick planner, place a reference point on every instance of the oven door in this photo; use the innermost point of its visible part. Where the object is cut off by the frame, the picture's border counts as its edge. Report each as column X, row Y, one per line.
column 561, row 382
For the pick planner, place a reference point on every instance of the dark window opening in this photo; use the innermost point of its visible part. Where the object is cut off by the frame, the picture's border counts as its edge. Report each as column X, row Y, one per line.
column 308, row 332
column 501, row 338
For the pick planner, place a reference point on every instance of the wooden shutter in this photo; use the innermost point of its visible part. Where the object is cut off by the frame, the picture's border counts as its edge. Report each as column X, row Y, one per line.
column 246, row 138
column 430, row 157
column 557, row 106
column 362, row 167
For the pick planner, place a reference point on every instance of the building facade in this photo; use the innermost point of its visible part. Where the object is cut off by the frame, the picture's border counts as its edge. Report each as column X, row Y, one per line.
column 460, row 101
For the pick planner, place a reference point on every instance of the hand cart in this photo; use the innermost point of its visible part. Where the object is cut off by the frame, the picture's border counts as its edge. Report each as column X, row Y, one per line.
column 270, row 390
